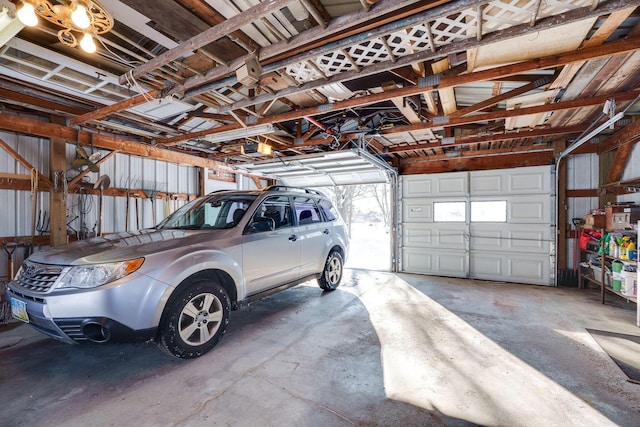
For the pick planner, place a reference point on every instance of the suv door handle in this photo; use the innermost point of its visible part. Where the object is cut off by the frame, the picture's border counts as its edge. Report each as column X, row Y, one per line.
column 326, row 231
column 293, row 237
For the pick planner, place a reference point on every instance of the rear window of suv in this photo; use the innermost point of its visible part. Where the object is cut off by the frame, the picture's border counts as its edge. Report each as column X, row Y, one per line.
column 329, row 211
column 306, row 210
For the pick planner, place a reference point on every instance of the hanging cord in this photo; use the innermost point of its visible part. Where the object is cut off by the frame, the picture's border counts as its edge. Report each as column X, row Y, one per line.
column 132, row 82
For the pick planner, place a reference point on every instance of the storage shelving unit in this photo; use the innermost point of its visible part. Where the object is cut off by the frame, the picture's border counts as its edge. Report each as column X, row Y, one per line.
column 602, row 279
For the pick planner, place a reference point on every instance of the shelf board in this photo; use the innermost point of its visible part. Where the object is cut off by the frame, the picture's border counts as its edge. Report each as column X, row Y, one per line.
column 620, row 294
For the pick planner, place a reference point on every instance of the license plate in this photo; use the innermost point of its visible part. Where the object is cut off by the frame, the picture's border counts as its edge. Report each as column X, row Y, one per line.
column 19, row 310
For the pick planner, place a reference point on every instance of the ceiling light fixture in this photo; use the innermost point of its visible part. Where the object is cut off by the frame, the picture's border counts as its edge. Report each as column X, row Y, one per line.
column 240, row 133
column 83, row 16
column 256, row 149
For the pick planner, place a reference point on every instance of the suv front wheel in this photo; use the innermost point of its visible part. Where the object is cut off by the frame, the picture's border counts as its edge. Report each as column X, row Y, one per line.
column 332, row 273
column 195, row 320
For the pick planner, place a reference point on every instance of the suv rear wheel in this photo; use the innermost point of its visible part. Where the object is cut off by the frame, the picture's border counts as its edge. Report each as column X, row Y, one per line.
column 195, row 320
column 332, row 273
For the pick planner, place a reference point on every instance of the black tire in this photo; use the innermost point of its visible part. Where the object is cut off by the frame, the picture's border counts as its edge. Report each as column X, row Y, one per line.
column 194, row 320
column 331, row 275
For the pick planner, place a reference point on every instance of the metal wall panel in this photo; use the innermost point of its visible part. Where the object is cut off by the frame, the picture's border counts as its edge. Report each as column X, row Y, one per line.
column 632, row 172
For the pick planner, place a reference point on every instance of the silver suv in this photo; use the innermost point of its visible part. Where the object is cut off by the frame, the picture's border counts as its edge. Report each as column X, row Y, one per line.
column 176, row 283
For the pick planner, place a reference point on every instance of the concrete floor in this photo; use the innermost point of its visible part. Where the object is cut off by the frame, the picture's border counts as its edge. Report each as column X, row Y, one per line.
column 382, row 350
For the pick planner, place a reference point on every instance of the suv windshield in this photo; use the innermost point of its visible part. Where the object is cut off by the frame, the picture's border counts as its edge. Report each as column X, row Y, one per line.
column 216, row 211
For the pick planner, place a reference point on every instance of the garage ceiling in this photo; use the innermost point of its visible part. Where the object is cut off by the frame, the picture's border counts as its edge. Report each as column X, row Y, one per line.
column 423, row 86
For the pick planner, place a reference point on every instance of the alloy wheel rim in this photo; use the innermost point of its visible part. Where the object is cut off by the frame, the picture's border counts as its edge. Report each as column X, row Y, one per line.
column 200, row 319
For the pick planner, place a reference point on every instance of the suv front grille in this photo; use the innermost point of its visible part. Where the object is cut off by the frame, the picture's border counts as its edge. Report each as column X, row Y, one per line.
column 38, row 277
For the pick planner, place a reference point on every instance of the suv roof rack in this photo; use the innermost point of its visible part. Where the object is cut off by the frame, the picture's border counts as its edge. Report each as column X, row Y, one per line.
column 288, row 188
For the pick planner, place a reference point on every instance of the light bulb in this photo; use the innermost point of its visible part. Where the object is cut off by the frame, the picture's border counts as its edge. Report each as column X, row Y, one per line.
column 87, row 43
column 27, row 15
column 80, row 17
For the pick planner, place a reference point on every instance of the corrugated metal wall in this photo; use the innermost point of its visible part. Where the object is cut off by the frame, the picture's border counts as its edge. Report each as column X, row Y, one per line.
column 135, row 174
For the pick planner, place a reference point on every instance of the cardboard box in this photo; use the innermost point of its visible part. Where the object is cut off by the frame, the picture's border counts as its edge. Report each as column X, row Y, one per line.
column 609, row 211
column 595, row 221
column 622, row 217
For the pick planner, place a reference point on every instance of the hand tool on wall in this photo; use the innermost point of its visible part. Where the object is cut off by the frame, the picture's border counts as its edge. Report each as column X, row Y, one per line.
column 101, row 184
column 43, row 222
column 135, row 196
column 10, row 248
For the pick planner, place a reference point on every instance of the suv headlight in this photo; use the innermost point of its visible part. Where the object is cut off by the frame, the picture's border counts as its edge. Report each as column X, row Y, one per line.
column 92, row 276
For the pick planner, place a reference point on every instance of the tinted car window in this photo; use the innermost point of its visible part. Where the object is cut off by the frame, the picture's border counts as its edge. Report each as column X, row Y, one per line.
column 306, row 210
column 330, row 213
column 276, row 209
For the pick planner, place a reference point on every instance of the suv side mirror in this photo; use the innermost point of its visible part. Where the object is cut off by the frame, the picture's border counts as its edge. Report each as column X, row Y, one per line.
column 261, row 224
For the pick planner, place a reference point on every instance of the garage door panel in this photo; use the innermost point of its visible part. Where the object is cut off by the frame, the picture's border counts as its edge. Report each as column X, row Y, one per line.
column 417, row 210
column 483, row 265
column 417, row 186
column 441, row 263
column 450, row 237
column 533, row 239
column 488, row 184
column 417, row 235
column 451, row 263
column 415, row 260
column 506, row 266
column 526, row 210
column 452, row 185
column 516, row 247
column 534, row 180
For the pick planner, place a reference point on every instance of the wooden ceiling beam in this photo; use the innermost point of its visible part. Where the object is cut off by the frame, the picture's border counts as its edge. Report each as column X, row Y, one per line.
column 20, row 98
column 610, row 49
column 470, row 140
column 28, row 126
column 338, row 25
column 542, row 81
column 114, row 108
column 625, row 135
column 488, row 161
column 25, row 163
column 214, row 33
column 212, row 18
column 407, row 60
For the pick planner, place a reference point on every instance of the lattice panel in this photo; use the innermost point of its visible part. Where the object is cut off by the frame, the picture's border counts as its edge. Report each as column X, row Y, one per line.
column 496, row 15
column 454, row 27
column 499, row 15
column 303, row 72
column 368, row 53
column 410, row 41
column 334, row 63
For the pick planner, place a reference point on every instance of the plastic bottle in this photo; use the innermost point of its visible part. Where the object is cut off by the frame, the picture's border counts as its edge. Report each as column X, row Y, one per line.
column 613, row 247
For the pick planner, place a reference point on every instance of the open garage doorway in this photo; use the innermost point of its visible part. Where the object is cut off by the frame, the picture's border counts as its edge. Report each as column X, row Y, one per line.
column 366, row 209
column 358, row 184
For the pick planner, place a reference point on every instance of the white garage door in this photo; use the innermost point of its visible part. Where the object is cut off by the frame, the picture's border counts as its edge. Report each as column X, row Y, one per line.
column 491, row 225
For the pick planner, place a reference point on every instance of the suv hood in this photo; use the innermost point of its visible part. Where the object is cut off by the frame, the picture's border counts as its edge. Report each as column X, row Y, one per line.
column 119, row 247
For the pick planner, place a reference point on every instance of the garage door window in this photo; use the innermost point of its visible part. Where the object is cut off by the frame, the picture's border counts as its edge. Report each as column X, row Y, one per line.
column 449, row 211
column 494, row 211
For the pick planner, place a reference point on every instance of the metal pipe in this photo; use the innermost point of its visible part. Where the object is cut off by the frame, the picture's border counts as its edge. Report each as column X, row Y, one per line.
column 561, row 156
